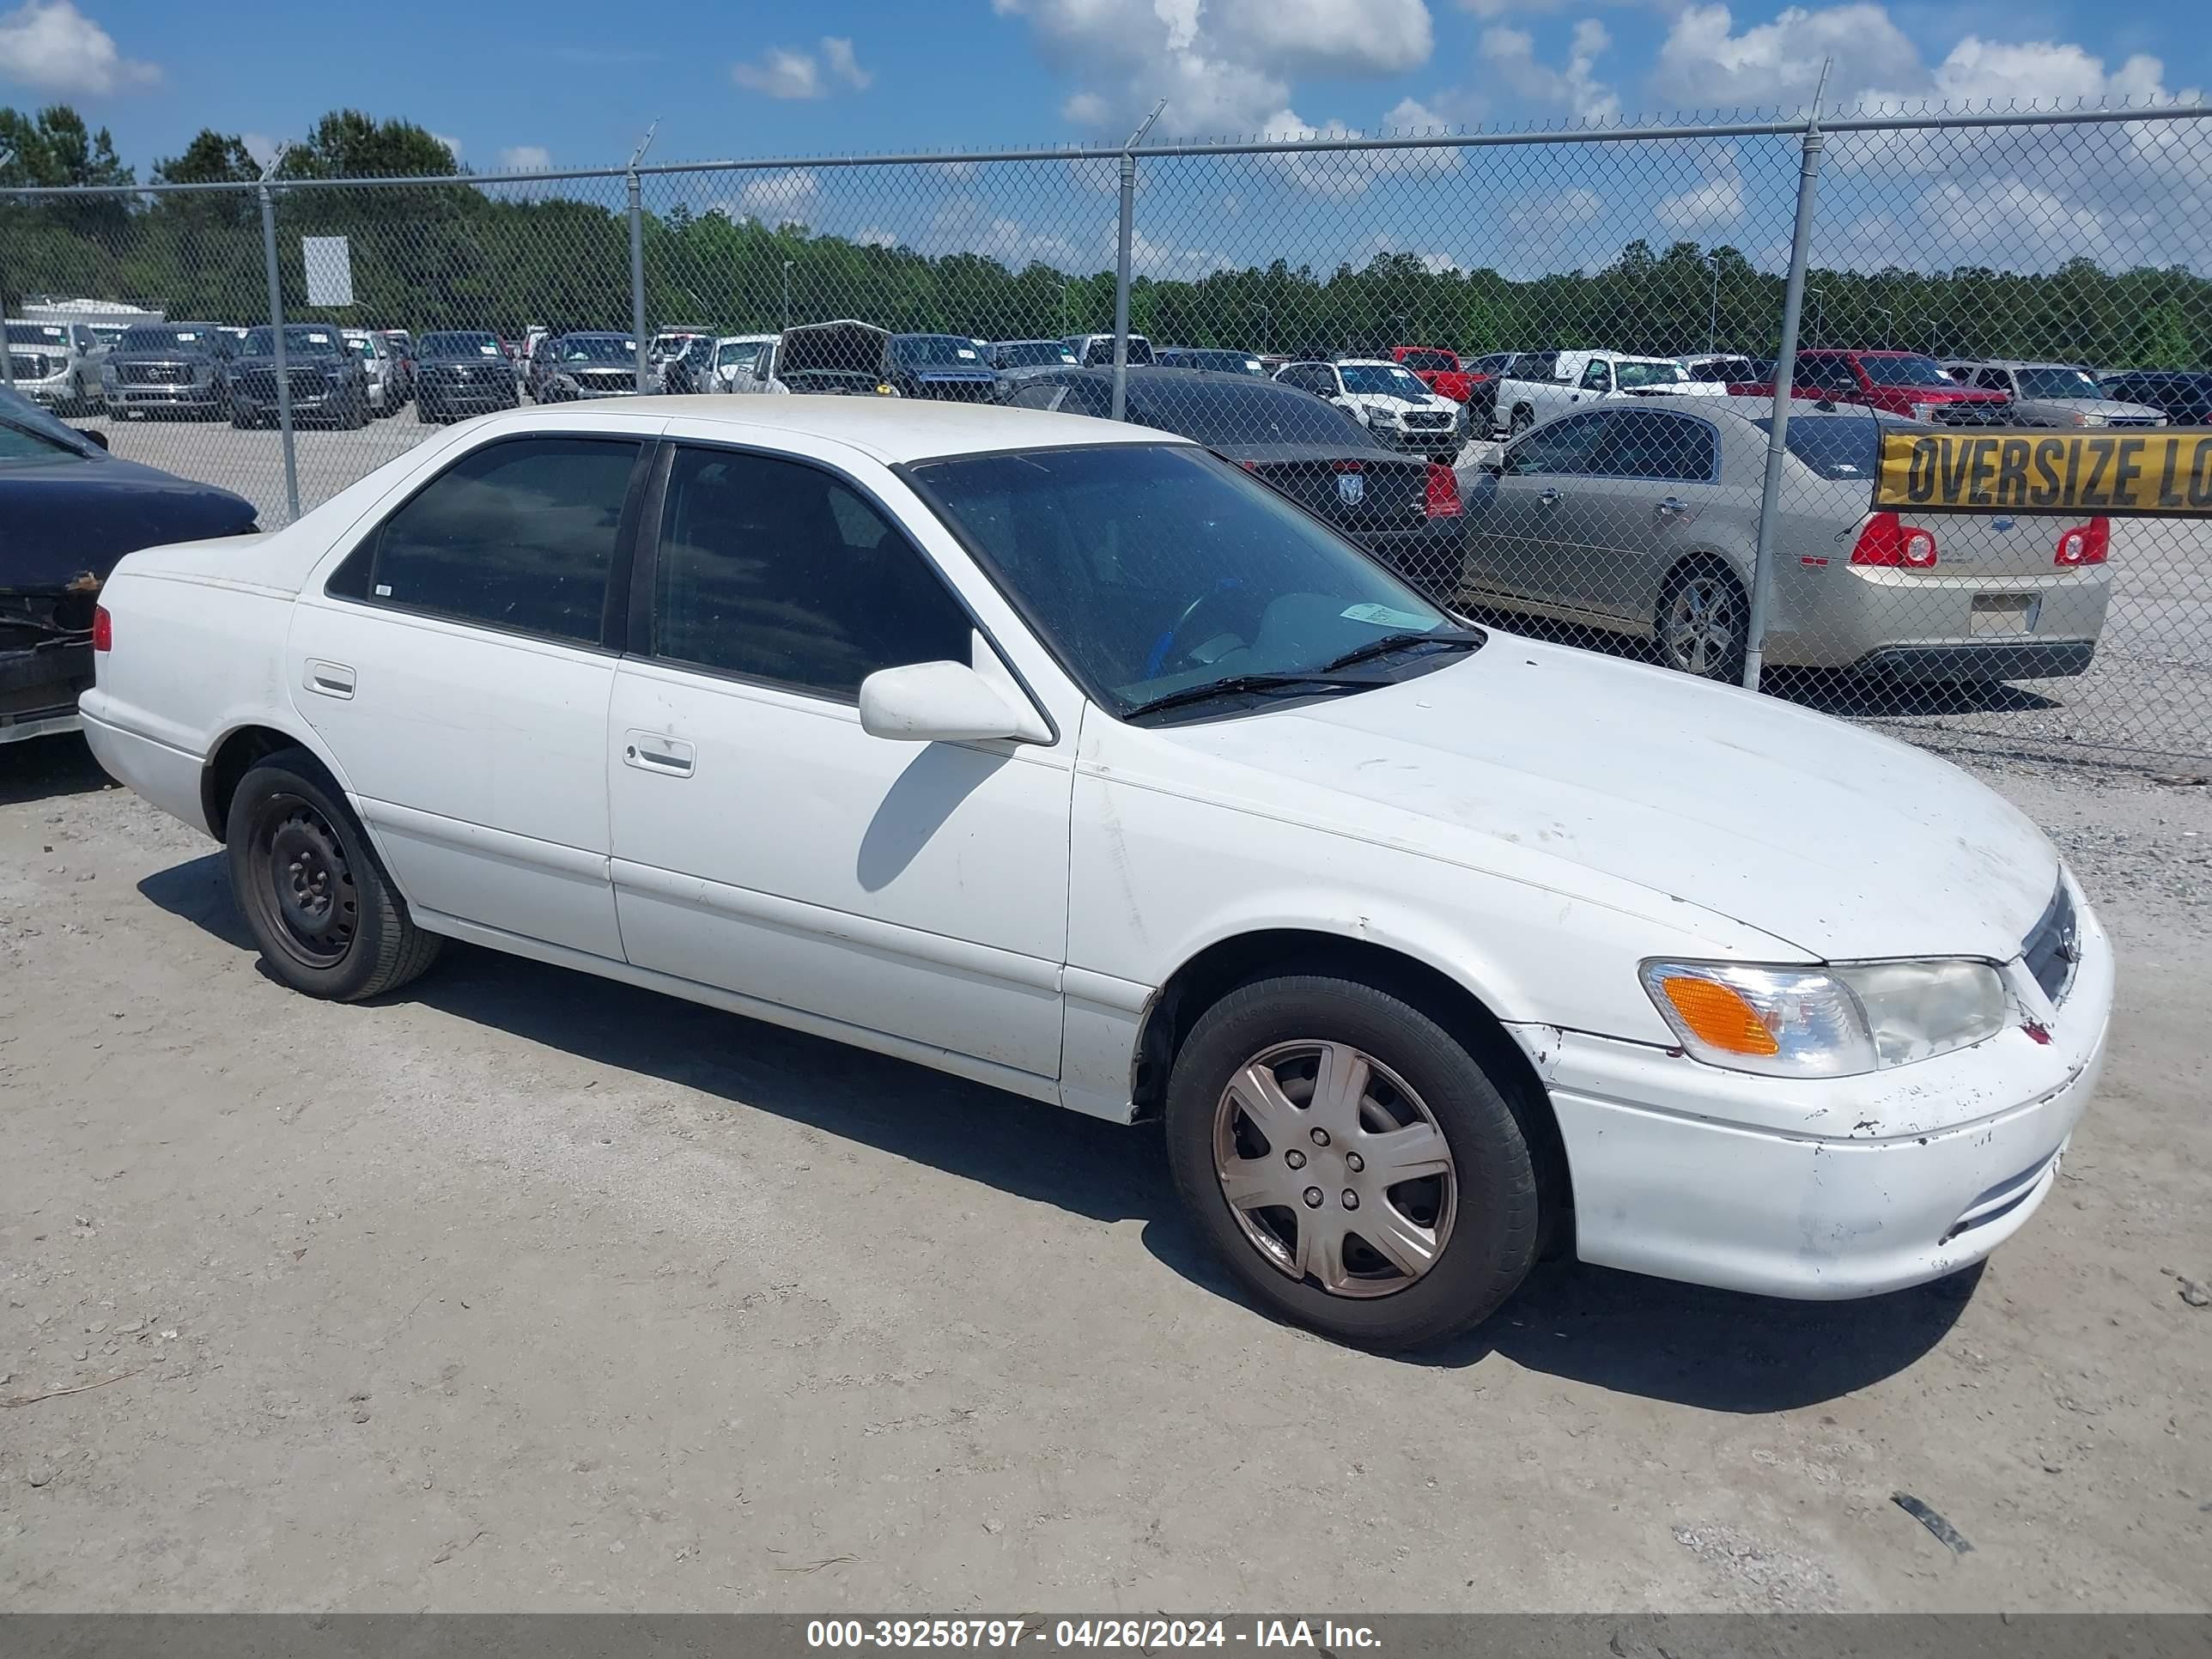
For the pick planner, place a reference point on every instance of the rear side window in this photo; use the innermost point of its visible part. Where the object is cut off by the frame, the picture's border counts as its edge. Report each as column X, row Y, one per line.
column 1841, row 446
column 774, row 570
column 518, row 536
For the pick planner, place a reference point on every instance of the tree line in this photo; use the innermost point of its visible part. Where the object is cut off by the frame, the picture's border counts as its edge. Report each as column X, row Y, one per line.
column 460, row 256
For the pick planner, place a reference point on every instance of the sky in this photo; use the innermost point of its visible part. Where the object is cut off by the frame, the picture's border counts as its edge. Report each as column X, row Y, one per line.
column 527, row 83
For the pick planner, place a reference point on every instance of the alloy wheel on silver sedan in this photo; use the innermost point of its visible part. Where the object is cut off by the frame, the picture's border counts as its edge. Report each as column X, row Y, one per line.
column 1702, row 624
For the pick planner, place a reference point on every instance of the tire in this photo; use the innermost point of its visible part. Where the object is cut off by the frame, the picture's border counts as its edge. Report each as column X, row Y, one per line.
column 1482, row 1202
column 355, row 414
column 1520, row 421
column 325, row 914
column 242, row 419
column 1703, row 623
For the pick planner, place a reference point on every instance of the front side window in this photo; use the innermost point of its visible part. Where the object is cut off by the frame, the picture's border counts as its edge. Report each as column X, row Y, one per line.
column 775, row 570
column 1993, row 380
column 1905, row 369
column 1598, row 377
column 1644, row 376
column 518, row 536
column 1155, row 569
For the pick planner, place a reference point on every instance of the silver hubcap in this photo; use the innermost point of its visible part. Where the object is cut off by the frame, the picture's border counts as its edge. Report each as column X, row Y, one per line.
column 1335, row 1170
column 1701, row 626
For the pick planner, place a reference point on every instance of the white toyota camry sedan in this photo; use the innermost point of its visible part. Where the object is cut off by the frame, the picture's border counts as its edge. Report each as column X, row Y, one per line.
column 1064, row 756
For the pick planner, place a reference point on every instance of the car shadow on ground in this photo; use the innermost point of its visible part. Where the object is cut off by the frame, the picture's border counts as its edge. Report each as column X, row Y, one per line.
column 1616, row 1331
column 44, row 769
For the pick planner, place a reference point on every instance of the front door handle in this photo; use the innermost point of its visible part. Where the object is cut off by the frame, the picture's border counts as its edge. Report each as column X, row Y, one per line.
column 655, row 752
column 329, row 679
column 1673, row 507
column 1548, row 497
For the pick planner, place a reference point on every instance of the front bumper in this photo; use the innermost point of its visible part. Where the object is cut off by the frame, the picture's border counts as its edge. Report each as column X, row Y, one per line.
column 1443, row 441
column 53, row 392
column 169, row 396
column 1827, row 1189
column 39, row 687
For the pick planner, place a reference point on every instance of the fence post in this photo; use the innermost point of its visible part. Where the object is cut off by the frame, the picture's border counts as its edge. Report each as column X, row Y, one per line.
column 1128, row 234
column 6, row 352
column 276, row 332
column 1786, row 375
column 637, row 255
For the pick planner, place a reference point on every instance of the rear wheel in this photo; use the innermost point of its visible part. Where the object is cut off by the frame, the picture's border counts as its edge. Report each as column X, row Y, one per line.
column 354, row 413
column 319, row 904
column 1522, row 419
column 1351, row 1162
column 1704, row 623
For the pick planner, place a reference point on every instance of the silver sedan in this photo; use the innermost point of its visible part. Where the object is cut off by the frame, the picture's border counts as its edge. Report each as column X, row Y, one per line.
column 1644, row 519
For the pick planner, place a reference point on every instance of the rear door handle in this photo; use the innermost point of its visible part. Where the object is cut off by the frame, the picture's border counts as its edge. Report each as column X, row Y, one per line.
column 656, row 751
column 329, row 680
column 1673, row 507
column 1548, row 497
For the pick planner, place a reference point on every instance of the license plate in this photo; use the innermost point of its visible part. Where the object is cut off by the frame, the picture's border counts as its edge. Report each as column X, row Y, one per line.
column 2004, row 613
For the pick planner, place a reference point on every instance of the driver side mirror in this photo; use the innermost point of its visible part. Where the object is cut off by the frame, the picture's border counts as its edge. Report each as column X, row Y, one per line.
column 1494, row 467
column 941, row 702
column 91, row 434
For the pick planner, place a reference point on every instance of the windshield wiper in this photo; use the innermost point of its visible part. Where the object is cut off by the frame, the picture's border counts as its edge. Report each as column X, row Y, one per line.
column 1389, row 642
column 1236, row 683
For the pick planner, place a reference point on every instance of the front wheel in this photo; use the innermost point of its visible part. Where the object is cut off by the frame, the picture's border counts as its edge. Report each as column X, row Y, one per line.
column 1349, row 1160
column 1520, row 420
column 319, row 906
column 1703, row 624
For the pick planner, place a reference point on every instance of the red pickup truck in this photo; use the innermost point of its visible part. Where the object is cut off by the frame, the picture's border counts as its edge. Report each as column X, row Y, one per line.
column 1904, row 383
column 1438, row 369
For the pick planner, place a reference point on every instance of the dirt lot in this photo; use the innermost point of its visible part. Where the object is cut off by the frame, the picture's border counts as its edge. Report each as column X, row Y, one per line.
column 524, row 1289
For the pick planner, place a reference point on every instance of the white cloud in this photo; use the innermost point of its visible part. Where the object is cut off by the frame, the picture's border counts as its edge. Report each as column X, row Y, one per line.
column 786, row 72
column 1348, row 172
column 1437, row 265
column 772, row 197
column 524, row 158
column 260, row 146
column 51, row 46
column 1223, row 66
column 837, row 53
column 875, row 236
column 1512, row 56
column 453, row 144
column 780, row 73
column 1703, row 64
column 1717, row 201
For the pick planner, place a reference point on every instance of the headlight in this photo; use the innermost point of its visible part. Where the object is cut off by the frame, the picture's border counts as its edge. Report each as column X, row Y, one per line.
column 565, row 381
column 1826, row 1022
column 2092, row 420
column 1923, row 411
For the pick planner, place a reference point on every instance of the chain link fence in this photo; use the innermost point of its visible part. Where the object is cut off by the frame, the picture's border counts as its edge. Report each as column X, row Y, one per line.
column 1535, row 371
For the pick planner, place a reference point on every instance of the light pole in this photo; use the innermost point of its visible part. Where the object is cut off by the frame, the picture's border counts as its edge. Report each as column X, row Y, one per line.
column 787, row 293
column 1888, row 327
column 1820, row 311
column 6, row 356
column 1713, row 315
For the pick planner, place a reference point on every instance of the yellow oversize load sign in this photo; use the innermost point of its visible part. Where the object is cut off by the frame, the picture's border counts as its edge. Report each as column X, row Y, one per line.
column 2071, row 473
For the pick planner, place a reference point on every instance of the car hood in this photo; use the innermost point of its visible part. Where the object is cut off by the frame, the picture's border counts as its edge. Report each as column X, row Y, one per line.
column 69, row 518
column 1538, row 761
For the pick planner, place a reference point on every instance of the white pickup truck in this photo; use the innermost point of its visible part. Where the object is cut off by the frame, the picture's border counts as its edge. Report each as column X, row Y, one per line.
column 1538, row 384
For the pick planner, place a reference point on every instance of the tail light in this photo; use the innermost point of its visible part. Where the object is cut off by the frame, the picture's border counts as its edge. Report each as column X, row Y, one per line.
column 2088, row 543
column 103, row 629
column 1887, row 542
column 1443, row 491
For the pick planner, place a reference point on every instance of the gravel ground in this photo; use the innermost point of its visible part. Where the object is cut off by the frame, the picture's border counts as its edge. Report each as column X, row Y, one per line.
column 525, row 1290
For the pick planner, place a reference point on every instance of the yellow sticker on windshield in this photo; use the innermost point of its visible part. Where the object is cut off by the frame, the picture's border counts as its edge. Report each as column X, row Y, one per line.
column 2112, row 473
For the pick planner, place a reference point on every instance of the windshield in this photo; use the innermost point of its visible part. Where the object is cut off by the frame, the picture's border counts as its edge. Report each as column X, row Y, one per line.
column 598, row 349
column 366, row 345
column 1627, row 375
column 195, row 341
column 2058, row 383
column 459, row 345
column 1835, row 447
column 298, row 343
column 1155, row 567
column 1099, row 350
column 1435, row 359
column 1030, row 353
column 733, row 352
column 27, row 433
column 1907, row 370
column 935, row 351
column 38, row 334
column 1222, row 416
column 1721, row 370
column 1382, row 379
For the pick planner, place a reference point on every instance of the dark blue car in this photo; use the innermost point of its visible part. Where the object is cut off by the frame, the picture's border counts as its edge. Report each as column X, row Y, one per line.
column 69, row 511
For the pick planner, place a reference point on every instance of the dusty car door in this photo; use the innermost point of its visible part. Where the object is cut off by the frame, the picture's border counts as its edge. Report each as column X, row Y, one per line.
column 1527, row 526
column 1653, row 477
column 457, row 665
column 763, row 842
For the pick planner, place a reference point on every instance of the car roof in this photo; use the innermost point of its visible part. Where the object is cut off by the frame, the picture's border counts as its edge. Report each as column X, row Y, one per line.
column 891, row 429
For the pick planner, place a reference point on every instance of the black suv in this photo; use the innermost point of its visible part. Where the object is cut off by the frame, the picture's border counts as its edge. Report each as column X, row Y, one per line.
column 461, row 372
column 168, row 368
column 328, row 382
column 2183, row 395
